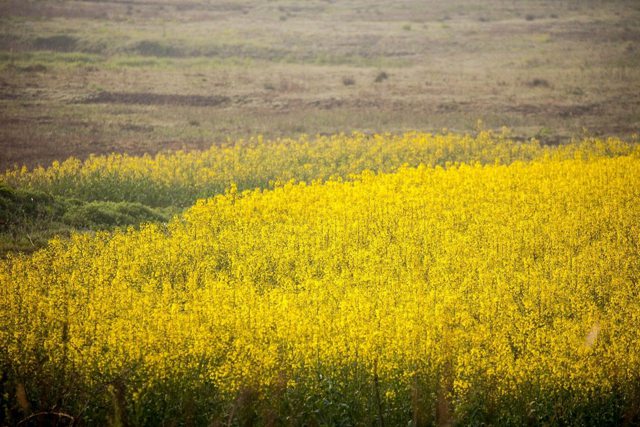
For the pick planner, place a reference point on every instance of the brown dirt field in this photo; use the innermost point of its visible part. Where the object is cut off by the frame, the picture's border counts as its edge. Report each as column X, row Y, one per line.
column 146, row 98
column 84, row 77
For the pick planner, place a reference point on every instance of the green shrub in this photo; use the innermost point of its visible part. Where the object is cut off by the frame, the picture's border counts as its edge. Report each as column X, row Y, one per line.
column 100, row 215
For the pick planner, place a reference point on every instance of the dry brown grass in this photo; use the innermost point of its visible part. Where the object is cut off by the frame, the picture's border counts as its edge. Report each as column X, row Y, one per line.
column 141, row 76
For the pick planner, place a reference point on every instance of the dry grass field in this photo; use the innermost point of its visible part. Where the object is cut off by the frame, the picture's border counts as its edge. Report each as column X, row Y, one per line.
column 138, row 76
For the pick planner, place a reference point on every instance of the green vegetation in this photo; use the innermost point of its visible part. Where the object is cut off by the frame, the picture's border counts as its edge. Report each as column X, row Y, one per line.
column 29, row 218
column 121, row 190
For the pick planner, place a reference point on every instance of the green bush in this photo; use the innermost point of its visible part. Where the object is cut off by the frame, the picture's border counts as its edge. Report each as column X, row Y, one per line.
column 20, row 207
column 29, row 218
column 99, row 215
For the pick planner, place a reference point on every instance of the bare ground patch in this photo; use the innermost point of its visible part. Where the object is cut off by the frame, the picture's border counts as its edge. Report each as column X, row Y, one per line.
column 564, row 111
column 146, row 98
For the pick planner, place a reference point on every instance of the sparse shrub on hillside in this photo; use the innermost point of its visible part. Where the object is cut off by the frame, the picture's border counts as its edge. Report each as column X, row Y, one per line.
column 348, row 81
column 538, row 82
column 382, row 76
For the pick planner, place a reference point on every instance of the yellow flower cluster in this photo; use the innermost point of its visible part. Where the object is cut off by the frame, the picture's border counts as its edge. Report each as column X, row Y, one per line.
column 474, row 293
column 179, row 178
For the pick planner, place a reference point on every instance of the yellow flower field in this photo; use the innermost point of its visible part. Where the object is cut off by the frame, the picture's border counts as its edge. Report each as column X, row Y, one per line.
column 498, row 292
column 179, row 178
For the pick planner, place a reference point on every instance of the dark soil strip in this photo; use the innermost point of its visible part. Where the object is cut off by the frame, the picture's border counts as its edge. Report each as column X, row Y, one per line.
column 145, row 98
